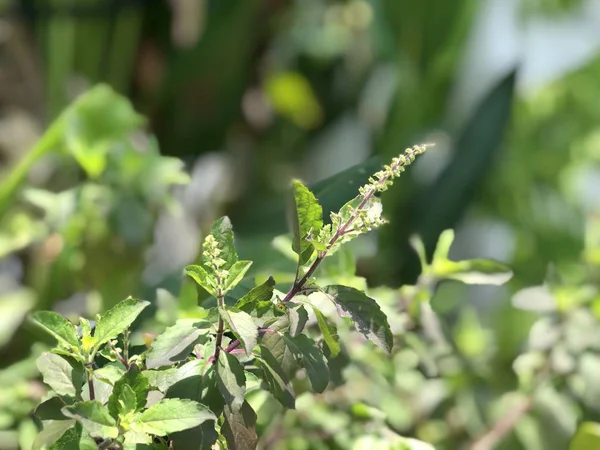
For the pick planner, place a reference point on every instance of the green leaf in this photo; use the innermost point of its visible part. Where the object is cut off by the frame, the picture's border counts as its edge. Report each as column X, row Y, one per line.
column 243, row 327
column 202, row 278
column 65, row 377
column 298, row 317
column 176, row 342
column 94, row 417
column 258, row 302
column 134, row 380
column 222, row 231
column 329, row 333
column 59, row 327
column 273, row 375
column 201, row 437
column 117, row 319
column 172, row 415
column 126, row 402
column 308, row 218
column 442, row 249
column 239, row 428
column 364, row 312
column 199, row 387
column 275, row 344
column 474, row 271
column 50, row 409
column 231, row 380
column 312, row 359
column 587, row 437
column 236, row 274
column 165, row 378
column 52, row 432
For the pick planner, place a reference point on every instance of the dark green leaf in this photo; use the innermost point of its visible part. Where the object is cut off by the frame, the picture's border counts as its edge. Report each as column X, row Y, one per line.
column 56, row 325
column 222, row 231
column 273, row 375
column 239, row 428
column 51, row 409
column 94, row 417
column 117, row 319
column 165, row 378
column 258, row 302
column 198, row 438
column 365, row 313
column 312, row 359
column 243, row 327
column 202, row 278
column 329, row 333
column 231, row 380
column 135, row 380
column 236, row 274
column 273, row 341
column 298, row 318
column 307, row 219
column 172, row 415
column 64, row 376
column 201, row 388
column 176, row 343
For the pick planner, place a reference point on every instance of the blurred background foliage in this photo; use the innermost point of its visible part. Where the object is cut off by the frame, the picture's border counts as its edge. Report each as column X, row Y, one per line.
column 106, row 197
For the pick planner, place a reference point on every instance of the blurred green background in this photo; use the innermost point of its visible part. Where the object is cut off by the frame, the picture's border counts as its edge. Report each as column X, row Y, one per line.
column 241, row 96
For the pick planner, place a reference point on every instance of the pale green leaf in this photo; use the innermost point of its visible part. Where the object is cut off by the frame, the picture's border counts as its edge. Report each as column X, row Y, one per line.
column 172, row 415
column 329, row 333
column 63, row 376
column 236, row 274
column 202, row 278
column 56, row 325
column 239, row 428
column 117, row 319
column 307, row 220
column 94, row 417
column 176, row 342
column 473, row 271
column 298, row 318
column 231, row 380
column 243, row 327
column 52, row 432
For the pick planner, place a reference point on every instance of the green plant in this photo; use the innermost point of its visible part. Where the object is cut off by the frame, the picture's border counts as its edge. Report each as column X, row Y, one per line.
column 190, row 383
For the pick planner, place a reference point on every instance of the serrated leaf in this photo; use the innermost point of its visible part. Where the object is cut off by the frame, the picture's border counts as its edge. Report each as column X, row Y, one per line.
column 52, row 432
column 474, row 271
column 202, row 278
column 236, row 274
column 94, row 417
column 51, row 409
column 222, row 231
column 274, row 377
column 273, row 341
column 135, row 380
column 298, row 317
column 312, row 359
column 329, row 333
column 172, row 415
column 231, row 380
column 243, row 327
column 239, row 428
column 364, row 312
column 117, row 319
column 176, row 342
column 57, row 326
column 308, row 218
column 65, row 377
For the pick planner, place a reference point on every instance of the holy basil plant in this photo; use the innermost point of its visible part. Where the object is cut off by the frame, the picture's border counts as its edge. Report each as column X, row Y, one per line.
column 187, row 387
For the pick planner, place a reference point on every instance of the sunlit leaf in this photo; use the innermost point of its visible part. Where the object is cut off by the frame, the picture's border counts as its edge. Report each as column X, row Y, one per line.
column 243, row 327
column 117, row 319
column 172, row 415
column 56, row 325
column 64, row 376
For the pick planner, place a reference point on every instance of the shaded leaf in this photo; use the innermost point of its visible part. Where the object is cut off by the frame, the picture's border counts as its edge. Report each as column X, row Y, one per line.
column 201, row 388
column 312, row 359
column 236, row 274
column 329, row 333
column 94, row 417
column 117, row 319
column 176, row 342
column 172, row 415
column 65, row 377
column 273, row 342
column 56, row 325
column 52, row 432
column 135, row 380
column 298, row 318
column 51, row 409
column 243, row 327
column 365, row 313
column 273, row 375
column 165, row 378
column 257, row 302
column 231, row 381
column 198, row 438
column 239, row 428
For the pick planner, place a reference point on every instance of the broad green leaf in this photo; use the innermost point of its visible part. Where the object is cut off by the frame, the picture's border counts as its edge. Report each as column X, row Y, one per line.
column 364, row 312
column 63, row 376
column 52, row 432
column 76, row 438
column 474, row 271
column 258, row 302
column 236, row 274
column 199, row 387
column 202, row 278
column 243, row 327
column 239, row 428
column 134, row 380
column 222, row 231
column 587, row 437
column 94, row 417
column 273, row 341
column 110, row 373
column 274, row 376
column 165, row 378
column 51, row 409
column 329, row 333
column 56, row 325
column 138, row 440
column 176, row 342
column 307, row 219
column 231, row 380
column 117, row 319
column 312, row 359
column 172, row 415
column 298, row 318
column 126, row 402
